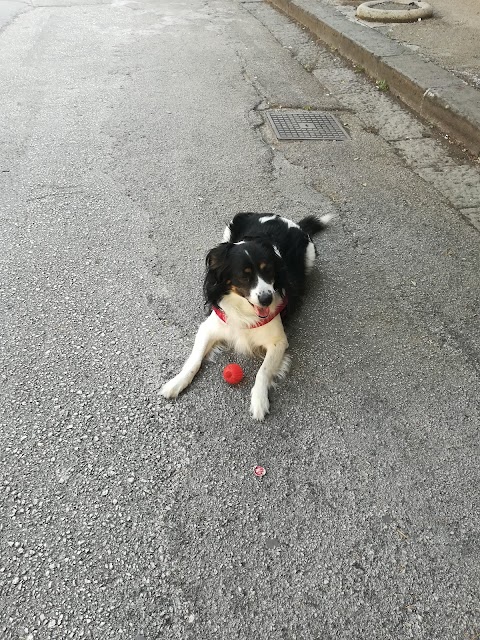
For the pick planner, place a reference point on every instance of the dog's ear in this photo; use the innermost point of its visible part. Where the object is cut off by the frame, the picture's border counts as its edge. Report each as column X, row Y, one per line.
column 216, row 257
column 215, row 285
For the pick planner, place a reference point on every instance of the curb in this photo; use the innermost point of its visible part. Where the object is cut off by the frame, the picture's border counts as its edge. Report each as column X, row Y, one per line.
column 432, row 92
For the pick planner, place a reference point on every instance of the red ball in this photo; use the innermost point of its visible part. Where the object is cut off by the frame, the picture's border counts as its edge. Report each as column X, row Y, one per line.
column 233, row 373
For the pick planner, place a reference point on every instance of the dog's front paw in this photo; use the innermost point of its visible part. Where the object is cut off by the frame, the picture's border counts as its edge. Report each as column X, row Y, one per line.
column 260, row 404
column 173, row 387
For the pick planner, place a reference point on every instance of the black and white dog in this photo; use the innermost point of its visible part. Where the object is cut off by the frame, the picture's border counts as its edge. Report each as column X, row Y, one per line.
column 253, row 278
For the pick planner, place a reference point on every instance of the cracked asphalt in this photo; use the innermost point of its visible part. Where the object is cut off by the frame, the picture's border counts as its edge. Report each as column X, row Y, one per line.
column 131, row 131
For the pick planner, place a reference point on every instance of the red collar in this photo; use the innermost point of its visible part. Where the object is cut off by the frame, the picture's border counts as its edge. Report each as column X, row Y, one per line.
column 223, row 317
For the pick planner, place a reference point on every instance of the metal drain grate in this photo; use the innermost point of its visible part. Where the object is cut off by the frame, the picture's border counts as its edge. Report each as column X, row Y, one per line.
column 306, row 125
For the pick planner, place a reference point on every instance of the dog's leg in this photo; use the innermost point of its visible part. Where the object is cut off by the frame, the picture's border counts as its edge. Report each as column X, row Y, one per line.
column 272, row 366
column 204, row 341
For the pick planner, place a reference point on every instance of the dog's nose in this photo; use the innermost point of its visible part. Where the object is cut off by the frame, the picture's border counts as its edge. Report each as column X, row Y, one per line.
column 265, row 299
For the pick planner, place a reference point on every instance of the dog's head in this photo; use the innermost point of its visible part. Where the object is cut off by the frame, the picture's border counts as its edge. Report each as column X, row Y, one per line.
column 251, row 270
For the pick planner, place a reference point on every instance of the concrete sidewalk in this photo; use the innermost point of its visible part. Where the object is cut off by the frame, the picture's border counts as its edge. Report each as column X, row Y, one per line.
column 433, row 66
column 9, row 9
column 449, row 39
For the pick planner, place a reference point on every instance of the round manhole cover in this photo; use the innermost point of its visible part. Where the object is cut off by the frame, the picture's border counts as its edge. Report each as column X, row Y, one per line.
column 389, row 11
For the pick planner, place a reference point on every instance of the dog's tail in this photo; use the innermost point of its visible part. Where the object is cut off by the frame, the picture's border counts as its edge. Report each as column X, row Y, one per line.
column 313, row 224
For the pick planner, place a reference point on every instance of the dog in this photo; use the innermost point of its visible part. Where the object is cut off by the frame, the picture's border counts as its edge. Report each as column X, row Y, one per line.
column 253, row 279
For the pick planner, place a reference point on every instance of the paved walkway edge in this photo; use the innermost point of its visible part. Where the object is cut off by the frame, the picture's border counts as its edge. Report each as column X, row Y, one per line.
column 434, row 93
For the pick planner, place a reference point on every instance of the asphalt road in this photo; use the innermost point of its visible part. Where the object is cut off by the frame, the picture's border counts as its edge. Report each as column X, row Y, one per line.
column 130, row 132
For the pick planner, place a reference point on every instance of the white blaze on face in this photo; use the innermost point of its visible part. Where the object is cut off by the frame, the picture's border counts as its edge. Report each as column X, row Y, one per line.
column 257, row 297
